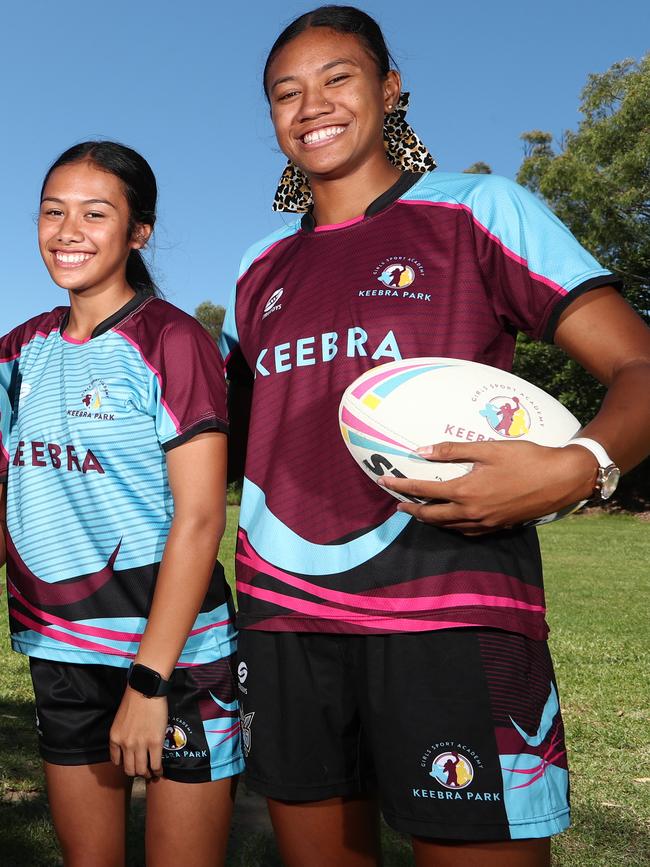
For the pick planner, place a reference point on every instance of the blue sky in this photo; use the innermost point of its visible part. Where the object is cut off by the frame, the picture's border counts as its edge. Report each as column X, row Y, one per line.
column 180, row 82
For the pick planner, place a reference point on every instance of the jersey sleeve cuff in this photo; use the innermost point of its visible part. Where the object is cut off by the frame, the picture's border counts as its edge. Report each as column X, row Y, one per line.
column 214, row 423
column 563, row 303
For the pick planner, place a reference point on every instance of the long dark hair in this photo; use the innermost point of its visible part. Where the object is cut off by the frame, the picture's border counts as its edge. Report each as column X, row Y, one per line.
column 342, row 19
column 140, row 189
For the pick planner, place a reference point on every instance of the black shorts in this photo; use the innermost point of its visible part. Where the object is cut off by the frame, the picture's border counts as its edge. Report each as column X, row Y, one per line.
column 459, row 730
column 76, row 705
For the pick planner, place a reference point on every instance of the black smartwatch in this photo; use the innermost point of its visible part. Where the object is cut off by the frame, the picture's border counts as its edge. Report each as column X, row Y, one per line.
column 147, row 681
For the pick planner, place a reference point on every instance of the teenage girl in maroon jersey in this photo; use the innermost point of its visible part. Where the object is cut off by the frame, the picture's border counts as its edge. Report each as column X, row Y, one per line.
column 330, row 90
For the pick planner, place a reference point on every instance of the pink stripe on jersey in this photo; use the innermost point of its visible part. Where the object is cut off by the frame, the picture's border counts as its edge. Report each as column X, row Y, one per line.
column 325, row 612
column 74, row 340
column 156, row 373
column 343, row 225
column 506, row 250
column 67, row 639
column 358, row 603
column 262, row 255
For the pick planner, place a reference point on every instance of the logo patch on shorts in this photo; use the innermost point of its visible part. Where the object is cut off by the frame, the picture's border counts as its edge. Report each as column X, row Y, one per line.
column 454, row 768
column 175, row 738
column 246, row 734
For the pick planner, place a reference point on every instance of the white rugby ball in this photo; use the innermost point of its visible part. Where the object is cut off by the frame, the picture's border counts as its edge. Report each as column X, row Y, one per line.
column 391, row 410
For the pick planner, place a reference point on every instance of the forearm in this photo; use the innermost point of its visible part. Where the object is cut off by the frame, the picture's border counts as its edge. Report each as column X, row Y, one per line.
column 622, row 426
column 183, row 580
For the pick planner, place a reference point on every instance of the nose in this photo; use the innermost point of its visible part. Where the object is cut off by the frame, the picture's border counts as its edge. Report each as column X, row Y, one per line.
column 69, row 231
column 315, row 104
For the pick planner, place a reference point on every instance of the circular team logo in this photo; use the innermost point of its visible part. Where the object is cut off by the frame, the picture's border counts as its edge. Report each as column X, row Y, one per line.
column 452, row 770
column 507, row 416
column 242, row 672
column 273, row 300
column 397, row 275
column 175, row 738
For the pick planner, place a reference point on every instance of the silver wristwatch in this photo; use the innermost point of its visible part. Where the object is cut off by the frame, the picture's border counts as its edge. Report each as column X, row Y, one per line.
column 608, row 473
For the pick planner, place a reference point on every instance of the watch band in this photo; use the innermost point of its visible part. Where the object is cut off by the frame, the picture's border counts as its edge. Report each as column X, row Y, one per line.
column 608, row 475
column 595, row 448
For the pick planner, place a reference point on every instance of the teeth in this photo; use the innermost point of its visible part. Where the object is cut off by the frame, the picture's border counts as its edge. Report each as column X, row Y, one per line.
column 321, row 134
column 72, row 258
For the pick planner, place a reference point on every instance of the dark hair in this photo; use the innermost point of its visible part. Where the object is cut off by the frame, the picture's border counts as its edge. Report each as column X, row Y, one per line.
column 342, row 19
column 140, row 190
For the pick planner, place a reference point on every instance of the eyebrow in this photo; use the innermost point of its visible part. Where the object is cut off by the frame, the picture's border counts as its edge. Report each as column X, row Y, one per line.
column 323, row 68
column 86, row 202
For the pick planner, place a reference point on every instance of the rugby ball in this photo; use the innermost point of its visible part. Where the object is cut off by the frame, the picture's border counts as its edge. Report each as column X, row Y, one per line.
column 391, row 410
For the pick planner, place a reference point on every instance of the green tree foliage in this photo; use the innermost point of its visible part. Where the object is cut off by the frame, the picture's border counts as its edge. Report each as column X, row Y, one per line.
column 598, row 182
column 478, row 168
column 211, row 317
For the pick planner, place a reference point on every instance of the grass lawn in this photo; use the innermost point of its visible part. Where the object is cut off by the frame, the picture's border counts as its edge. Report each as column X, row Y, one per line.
column 597, row 590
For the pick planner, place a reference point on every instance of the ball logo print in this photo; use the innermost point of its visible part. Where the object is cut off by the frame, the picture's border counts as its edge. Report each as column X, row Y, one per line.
column 507, row 416
column 397, row 275
column 452, row 770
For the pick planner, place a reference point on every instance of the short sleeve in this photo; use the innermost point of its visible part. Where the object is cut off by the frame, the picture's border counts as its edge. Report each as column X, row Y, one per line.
column 532, row 265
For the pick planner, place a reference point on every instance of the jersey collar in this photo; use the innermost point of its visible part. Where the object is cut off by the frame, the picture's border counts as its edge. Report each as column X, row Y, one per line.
column 392, row 194
column 114, row 319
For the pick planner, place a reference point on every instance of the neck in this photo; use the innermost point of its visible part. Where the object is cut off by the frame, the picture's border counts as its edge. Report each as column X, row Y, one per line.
column 89, row 307
column 337, row 200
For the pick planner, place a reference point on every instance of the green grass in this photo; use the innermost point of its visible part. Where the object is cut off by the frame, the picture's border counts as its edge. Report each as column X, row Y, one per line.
column 598, row 596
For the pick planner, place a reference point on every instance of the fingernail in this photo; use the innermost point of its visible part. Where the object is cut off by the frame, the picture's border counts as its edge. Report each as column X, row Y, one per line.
column 381, row 481
column 425, row 450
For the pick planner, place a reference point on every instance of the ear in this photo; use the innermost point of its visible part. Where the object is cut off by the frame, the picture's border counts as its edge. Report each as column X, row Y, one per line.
column 140, row 236
column 392, row 90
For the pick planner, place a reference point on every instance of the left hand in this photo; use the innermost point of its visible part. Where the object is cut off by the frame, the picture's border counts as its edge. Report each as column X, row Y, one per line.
column 509, row 483
column 137, row 734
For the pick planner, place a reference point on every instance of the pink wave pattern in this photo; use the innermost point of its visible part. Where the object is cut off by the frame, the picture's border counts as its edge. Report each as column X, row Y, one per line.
column 535, row 773
column 370, row 383
column 352, row 421
column 85, row 629
column 506, row 250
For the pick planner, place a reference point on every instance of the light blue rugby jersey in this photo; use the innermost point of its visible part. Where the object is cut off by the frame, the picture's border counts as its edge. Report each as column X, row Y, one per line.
column 5, row 419
column 89, row 504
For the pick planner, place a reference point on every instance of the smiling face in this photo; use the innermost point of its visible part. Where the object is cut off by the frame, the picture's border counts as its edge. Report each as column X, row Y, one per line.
column 328, row 102
column 84, row 229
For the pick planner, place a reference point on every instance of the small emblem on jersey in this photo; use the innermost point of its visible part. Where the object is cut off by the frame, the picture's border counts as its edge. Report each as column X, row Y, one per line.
column 175, row 738
column 246, row 734
column 452, row 770
column 272, row 304
column 242, row 672
column 397, row 275
column 94, row 394
column 507, row 416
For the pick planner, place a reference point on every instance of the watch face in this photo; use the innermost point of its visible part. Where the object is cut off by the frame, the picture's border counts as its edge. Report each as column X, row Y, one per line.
column 609, row 480
column 144, row 680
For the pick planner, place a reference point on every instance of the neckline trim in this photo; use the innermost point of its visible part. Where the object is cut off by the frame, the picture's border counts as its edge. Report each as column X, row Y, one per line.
column 109, row 323
column 392, row 194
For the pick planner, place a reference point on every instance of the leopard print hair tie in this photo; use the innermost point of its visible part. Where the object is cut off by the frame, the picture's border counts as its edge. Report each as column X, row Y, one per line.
column 403, row 148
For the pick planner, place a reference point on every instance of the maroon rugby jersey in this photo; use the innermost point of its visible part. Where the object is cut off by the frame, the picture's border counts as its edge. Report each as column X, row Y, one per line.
column 440, row 265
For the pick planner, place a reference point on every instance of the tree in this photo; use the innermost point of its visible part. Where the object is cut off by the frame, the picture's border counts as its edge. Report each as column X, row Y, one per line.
column 478, row 168
column 211, row 317
column 598, row 182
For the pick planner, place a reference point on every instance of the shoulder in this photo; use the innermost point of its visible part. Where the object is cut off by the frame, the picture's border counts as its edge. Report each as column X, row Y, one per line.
column 473, row 192
column 38, row 326
column 158, row 328
column 264, row 246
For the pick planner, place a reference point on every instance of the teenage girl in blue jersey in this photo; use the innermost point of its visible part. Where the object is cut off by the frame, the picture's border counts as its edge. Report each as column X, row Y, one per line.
column 116, row 506
column 338, row 725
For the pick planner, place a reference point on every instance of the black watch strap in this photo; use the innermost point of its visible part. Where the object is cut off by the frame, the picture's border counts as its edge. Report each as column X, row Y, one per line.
column 147, row 681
